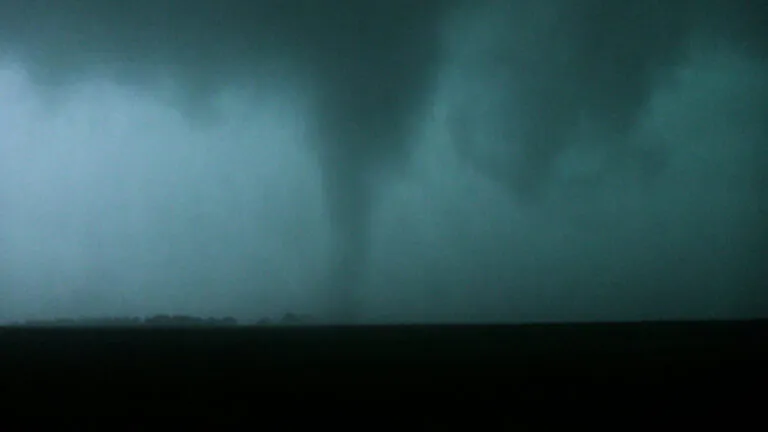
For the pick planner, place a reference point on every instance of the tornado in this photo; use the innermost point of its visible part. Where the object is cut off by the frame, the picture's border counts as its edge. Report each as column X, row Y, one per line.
column 369, row 65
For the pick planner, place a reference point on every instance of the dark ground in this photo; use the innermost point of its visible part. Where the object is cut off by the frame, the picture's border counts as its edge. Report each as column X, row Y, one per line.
column 239, row 368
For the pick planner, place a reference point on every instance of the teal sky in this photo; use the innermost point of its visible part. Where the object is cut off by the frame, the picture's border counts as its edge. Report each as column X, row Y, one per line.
column 527, row 165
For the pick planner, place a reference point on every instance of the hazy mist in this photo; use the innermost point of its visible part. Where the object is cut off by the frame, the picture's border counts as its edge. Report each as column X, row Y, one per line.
column 384, row 161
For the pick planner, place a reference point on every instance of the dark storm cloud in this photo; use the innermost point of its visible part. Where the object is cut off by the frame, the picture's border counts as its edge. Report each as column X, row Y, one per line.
column 605, row 242
column 546, row 68
column 634, row 132
column 535, row 78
